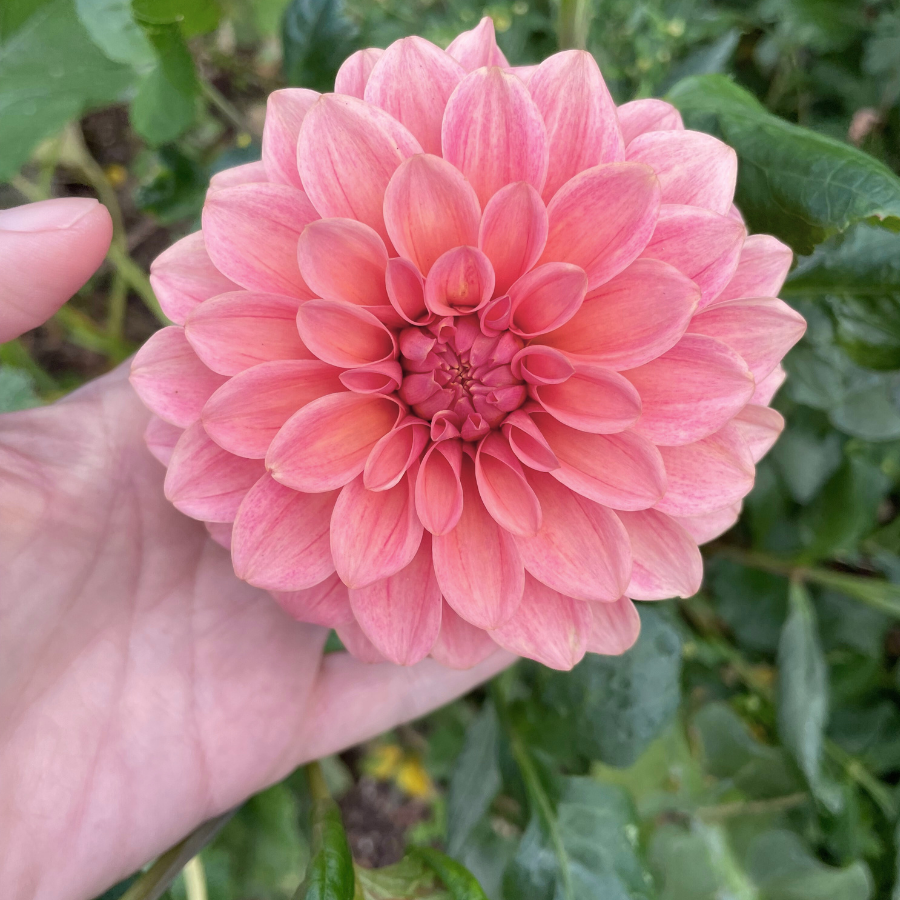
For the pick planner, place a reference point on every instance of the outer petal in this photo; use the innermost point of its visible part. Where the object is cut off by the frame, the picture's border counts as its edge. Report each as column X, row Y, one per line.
column 347, row 153
column 641, row 116
column 602, row 219
column 667, row 562
column 395, row 453
column 251, row 234
column 547, row 626
column 280, row 539
column 527, row 442
column 768, row 386
column 760, row 427
column 494, row 134
column 406, row 290
column 357, row 644
column 504, row 490
column 246, row 413
column 412, row 81
column 460, row 645
column 221, row 533
column 546, row 298
column 477, row 565
column 249, row 173
column 763, row 266
column 325, row 445
column 374, row 534
column 439, row 493
column 401, row 615
column 344, row 335
column 327, row 603
column 581, row 549
column 170, row 379
column 631, row 319
column 353, row 75
column 708, row 526
column 161, row 438
column 285, row 111
column 478, row 47
column 580, row 116
column 616, row 627
column 459, row 283
column 184, row 276
column 690, row 391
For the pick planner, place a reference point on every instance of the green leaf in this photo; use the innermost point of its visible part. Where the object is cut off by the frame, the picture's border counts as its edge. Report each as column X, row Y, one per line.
column 176, row 189
column 409, row 879
column 113, row 28
column 879, row 594
column 317, row 37
column 458, row 880
column 803, row 693
column 330, row 875
column 807, row 454
column 794, row 183
column 193, row 17
column 17, row 390
column 50, row 73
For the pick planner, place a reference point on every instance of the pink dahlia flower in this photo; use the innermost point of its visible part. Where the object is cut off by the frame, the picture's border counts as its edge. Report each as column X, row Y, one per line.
column 471, row 357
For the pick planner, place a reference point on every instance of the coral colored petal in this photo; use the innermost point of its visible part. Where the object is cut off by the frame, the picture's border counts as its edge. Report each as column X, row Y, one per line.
column 694, row 169
column 401, row 614
column 325, row 445
column 615, row 628
column 459, row 283
column 548, row 627
column 690, row 391
column 641, row 116
column 378, row 378
column 459, row 644
column 206, row 482
column 251, row 234
column 285, row 111
column 768, row 386
column 631, row 319
column 581, row 549
column 762, row 330
column 763, row 266
column 342, row 259
column 221, row 533
column 281, row 537
column 327, row 603
column 395, row 453
column 347, row 153
column 439, row 493
column 541, row 365
column 708, row 526
column 504, row 490
column 357, row 644
column 413, row 81
column 406, row 290
column 708, row 474
column 579, row 114
column 246, row 413
column 344, row 335
column 184, row 276
column 430, row 208
column 527, row 442
column 478, row 47
column 667, row 562
column 702, row 244
column 235, row 331
column 170, row 379
column 494, row 134
column 249, row 173
column 602, row 219
column 161, row 438
column 760, row 427
column 546, row 298
column 353, row 75
column 513, row 232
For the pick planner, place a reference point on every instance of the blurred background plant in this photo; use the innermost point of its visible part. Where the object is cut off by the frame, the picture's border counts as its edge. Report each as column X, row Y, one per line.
column 749, row 746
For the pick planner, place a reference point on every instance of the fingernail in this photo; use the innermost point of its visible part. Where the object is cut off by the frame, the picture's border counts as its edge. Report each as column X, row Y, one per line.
column 46, row 215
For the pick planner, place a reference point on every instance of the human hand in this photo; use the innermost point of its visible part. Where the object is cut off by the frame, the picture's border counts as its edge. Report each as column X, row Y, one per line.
column 143, row 687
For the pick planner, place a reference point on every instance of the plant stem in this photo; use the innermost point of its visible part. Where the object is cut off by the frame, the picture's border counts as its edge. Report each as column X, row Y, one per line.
column 318, row 787
column 195, row 879
column 573, row 23
column 226, row 107
column 753, row 807
column 115, row 315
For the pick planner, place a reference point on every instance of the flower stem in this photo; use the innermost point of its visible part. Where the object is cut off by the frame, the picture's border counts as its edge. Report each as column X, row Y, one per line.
column 573, row 23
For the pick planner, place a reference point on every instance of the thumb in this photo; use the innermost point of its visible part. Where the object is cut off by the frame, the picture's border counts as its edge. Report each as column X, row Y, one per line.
column 48, row 250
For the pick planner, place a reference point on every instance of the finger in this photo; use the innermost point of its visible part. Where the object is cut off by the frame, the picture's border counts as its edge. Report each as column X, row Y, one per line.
column 48, row 250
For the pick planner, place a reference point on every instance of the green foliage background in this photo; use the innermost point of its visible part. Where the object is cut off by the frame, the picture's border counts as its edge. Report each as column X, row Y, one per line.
column 749, row 746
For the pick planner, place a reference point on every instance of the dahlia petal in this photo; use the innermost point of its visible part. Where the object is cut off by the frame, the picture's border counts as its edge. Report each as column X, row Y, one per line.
column 478, row 47
column 161, row 438
column 401, row 614
column 667, row 562
column 281, row 537
column 459, row 283
column 344, row 335
column 690, row 391
column 221, row 533
column 357, row 644
column 541, row 365
column 183, row 276
column 378, row 378
column 513, row 232
column 494, row 134
column 602, row 219
column 579, row 114
column 325, row 444
column 622, row 471
column 631, row 319
column 406, row 290
column 523, row 72
column 594, row 399
column 504, row 490
column 527, row 442
column 235, row 331
column 640, row 116
column 760, row 427
column 249, row 173
column 342, row 259
column 412, row 81
column 251, row 234
column 395, row 453
column 702, row 244
column 326, row 603
column 459, row 644
column 581, row 549
column 615, row 627
column 546, row 298
column 768, row 386
column 548, row 627
column 477, row 565
column 353, row 75
column 439, row 493
column 246, row 413
column 707, row 475
column 206, row 482
column 694, row 169
column 763, row 266
column 170, row 379
column 762, row 330
column 708, row 526
column 347, row 153
column 285, row 111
